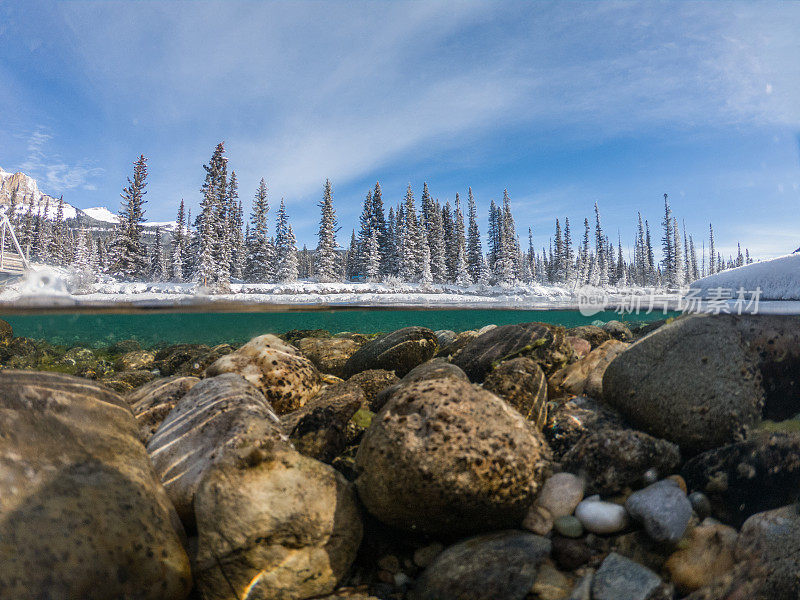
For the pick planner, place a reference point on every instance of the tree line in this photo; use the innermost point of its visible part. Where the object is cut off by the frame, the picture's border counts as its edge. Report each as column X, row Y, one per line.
column 435, row 243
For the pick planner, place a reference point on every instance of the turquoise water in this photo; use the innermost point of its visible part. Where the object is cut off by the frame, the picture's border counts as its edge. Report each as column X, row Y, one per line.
column 96, row 329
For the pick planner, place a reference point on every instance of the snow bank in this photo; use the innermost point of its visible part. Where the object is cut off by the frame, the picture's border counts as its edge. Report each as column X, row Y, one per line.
column 778, row 279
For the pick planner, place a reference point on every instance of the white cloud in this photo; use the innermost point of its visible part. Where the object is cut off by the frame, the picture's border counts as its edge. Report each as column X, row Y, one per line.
column 53, row 174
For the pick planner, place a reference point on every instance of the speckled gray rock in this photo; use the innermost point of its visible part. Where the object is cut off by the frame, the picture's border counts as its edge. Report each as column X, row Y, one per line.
column 487, row 567
column 591, row 333
column 437, row 368
column 218, row 416
column 521, row 383
column 769, row 543
column 618, row 331
column 319, row 428
column 398, row 351
column 82, row 514
column 561, row 493
column 693, row 382
column 619, row 578
column 748, row 477
column 444, row 456
column 611, row 460
column 569, row 421
column 329, row 355
column 152, row 402
column 274, row 524
column 283, row 375
column 663, row 509
column 545, row 344
column 373, row 382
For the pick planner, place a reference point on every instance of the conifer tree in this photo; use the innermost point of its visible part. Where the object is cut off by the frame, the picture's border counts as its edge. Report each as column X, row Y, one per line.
column 157, row 264
column 259, row 259
column 712, row 267
column 372, row 264
column 128, row 254
column 327, row 258
column 409, row 249
column 474, row 249
column 286, row 247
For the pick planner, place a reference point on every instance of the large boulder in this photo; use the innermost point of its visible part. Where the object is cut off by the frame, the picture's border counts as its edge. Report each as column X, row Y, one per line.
column 438, row 368
column 218, row 416
column 329, row 355
column 443, row 456
column 285, row 377
column 319, row 429
column 274, row 524
column 586, row 375
column 152, row 402
column 521, row 383
column 398, row 351
column 486, row 567
column 748, row 477
column 693, row 382
column 545, row 344
column 82, row 514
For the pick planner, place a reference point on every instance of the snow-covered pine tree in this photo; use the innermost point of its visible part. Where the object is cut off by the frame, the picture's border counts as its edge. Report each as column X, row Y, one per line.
column 385, row 244
column 83, row 254
column 410, row 256
column 326, row 257
column 285, row 246
column 128, row 259
column 558, row 256
column 436, row 243
column 177, row 248
column 372, row 258
column 366, row 223
column 58, row 248
column 531, row 256
column 425, row 276
column 474, row 250
column 676, row 246
column 739, row 255
column 259, row 259
column 449, row 237
column 621, row 272
column 210, row 270
column 651, row 262
column 157, row 264
column 389, row 254
column 694, row 274
column 493, row 236
column 352, row 258
column 459, row 235
column 712, row 267
column 569, row 253
column 601, row 253
column 463, row 277
column 234, row 229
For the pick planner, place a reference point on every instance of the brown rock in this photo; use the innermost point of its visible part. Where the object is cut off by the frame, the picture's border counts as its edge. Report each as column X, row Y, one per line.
column 446, row 457
column 329, row 355
column 591, row 333
column 284, row 376
column 152, row 402
column 372, row 381
column 708, row 554
column 82, row 515
column 580, row 346
column 521, row 383
column 586, row 375
column 136, row 360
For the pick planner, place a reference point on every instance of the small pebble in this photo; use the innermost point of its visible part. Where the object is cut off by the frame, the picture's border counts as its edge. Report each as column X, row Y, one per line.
column 427, row 554
column 680, row 481
column 619, row 578
column 650, row 476
column 538, row 520
column 601, row 517
column 570, row 554
column 700, row 504
column 568, row 526
column 561, row 493
column 663, row 509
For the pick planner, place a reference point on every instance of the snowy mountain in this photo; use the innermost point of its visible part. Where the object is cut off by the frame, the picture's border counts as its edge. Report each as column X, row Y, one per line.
column 778, row 279
column 98, row 217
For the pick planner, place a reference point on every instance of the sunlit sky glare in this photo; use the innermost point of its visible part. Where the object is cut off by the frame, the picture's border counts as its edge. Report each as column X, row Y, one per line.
column 565, row 104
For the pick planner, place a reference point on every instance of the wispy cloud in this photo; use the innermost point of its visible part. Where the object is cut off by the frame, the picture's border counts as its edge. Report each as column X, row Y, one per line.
column 54, row 175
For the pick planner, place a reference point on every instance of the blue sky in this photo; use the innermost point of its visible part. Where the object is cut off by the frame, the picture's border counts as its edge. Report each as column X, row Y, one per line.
column 564, row 104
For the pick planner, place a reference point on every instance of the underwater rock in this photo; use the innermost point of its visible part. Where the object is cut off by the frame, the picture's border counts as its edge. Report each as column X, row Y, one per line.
column 285, row 377
column 82, row 514
column 591, row 333
column 446, row 350
column 329, row 355
column 217, row 417
column 567, row 423
column 586, row 375
column 693, row 382
column 274, row 525
column 748, row 477
column 6, row 331
column 137, row 360
column 444, row 456
column 437, row 368
column 126, row 381
column 152, row 402
column 196, row 367
column 398, row 351
column 295, row 335
column 373, row 381
column 663, row 509
column 521, row 383
column 179, row 357
column 545, row 344
column 561, row 494
column 579, row 346
column 611, row 460
column 445, row 337
column 319, row 428
column 487, row 567
column 619, row 578
column 707, row 555
column 618, row 331
column 601, row 517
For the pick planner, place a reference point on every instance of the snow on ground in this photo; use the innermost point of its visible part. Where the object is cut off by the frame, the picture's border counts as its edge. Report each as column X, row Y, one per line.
column 101, row 213
column 778, row 279
column 45, row 286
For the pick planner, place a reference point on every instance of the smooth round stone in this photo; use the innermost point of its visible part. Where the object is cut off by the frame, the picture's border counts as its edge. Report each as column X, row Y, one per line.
column 561, row 494
column 663, row 509
column 700, row 504
column 601, row 517
column 650, row 476
column 568, row 526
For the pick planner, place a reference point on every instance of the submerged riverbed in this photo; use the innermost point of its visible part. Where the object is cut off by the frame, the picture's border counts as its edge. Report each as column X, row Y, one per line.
column 211, row 328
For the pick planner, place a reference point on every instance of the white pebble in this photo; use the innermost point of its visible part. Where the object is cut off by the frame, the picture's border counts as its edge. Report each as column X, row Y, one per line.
column 601, row 517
